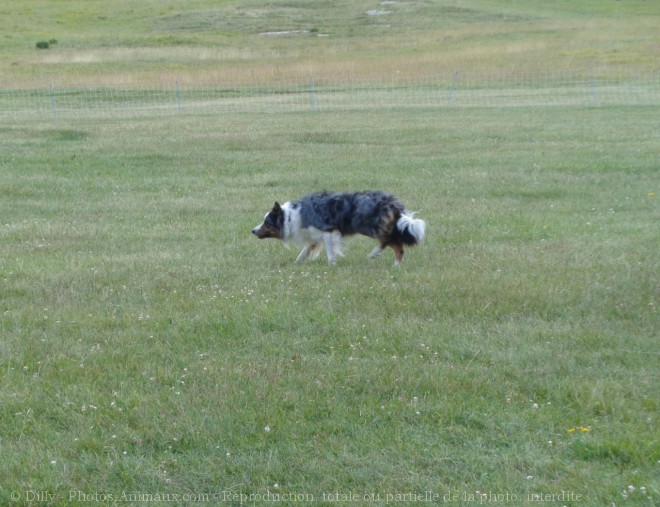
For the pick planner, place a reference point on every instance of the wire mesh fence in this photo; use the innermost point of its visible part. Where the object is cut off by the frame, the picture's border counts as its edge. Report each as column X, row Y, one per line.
column 555, row 88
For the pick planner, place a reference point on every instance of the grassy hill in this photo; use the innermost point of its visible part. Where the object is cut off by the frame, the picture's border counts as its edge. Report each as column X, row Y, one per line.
column 210, row 41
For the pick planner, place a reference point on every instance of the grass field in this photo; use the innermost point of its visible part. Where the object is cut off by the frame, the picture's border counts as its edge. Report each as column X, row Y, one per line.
column 149, row 341
column 209, row 41
column 153, row 351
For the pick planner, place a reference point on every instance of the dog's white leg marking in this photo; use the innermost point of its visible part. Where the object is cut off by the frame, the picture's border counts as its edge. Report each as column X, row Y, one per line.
column 376, row 252
column 332, row 241
column 329, row 247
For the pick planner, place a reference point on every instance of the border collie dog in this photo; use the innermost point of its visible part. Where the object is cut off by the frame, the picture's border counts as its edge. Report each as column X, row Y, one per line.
column 325, row 218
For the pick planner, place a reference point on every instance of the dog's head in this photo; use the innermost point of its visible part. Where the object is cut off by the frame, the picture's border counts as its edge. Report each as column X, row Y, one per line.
column 272, row 225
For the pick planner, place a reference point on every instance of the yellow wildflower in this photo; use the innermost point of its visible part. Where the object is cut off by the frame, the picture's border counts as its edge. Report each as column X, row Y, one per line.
column 583, row 429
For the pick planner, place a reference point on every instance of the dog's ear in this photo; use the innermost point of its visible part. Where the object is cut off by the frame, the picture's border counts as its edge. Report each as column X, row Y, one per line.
column 278, row 214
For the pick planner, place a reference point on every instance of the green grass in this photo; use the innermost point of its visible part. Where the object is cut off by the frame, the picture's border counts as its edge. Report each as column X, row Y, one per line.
column 150, row 345
column 149, row 340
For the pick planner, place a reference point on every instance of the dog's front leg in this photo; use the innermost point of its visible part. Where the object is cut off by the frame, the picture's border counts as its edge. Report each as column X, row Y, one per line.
column 302, row 257
column 332, row 241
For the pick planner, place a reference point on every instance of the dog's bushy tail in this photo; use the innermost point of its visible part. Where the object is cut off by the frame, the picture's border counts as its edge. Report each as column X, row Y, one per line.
column 412, row 229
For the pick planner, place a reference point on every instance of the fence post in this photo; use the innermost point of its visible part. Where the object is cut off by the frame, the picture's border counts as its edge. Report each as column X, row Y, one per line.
column 451, row 89
column 592, row 84
column 312, row 95
column 51, row 95
column 178, row 96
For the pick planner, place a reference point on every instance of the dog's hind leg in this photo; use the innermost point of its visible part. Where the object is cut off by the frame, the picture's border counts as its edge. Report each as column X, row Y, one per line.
column 398, row 253
column 376, row 252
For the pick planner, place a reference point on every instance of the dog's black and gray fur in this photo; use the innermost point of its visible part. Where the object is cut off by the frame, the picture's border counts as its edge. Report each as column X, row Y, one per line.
column 327, row 217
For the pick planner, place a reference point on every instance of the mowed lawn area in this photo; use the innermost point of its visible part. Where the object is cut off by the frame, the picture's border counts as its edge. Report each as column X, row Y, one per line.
column 150, row 344
column 154, row 352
